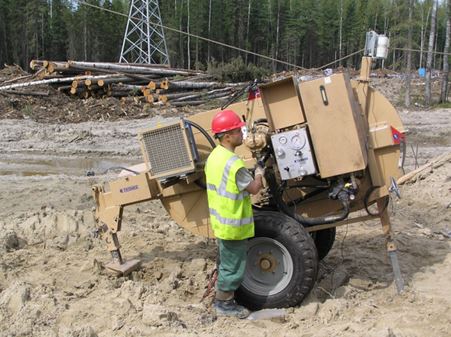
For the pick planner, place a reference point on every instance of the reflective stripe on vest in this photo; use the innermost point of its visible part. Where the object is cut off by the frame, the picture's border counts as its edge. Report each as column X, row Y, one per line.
column 222, row 192
column 231, row 222
column 222, row 189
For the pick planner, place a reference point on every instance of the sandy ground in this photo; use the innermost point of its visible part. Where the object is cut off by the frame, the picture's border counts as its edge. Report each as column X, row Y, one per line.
column 53, row 282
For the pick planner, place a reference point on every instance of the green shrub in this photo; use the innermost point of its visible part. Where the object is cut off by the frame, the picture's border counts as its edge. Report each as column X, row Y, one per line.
column 235, row 71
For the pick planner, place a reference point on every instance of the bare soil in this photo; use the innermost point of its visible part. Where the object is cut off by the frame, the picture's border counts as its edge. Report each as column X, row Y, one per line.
column 53, row 282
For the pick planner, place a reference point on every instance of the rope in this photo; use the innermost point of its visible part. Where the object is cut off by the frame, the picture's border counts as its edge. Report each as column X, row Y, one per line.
column 217, row 42
column 211, row 284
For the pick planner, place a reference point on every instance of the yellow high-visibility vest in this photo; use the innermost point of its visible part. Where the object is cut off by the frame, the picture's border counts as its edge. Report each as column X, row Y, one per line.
column 230, row 210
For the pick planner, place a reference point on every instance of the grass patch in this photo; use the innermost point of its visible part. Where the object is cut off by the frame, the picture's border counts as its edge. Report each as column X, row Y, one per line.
column 445, row 105
column 27, row 110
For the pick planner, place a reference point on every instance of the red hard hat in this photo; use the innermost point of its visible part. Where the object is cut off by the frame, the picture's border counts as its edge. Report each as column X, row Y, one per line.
column 226, row 120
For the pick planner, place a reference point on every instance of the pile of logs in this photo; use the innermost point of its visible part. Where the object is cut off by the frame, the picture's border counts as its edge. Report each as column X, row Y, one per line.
column 155, row 84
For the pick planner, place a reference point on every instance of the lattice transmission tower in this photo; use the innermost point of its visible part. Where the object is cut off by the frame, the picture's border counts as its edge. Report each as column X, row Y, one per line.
column 144, row 40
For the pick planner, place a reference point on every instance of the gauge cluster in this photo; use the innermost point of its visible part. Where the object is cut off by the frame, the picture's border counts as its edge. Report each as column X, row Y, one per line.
column 293, row 154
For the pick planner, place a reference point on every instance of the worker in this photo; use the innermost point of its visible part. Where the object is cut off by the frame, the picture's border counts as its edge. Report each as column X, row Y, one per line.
column 229, row 185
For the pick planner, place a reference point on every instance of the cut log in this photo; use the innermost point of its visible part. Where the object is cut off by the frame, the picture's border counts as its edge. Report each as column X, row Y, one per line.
column 138, row 77
column 57, row 66
column 64, row 87
column 27, row 93
column 164, row 84
column 40, row 74
column 122, row 93
column 202, row 85
column 34, row 64
column 54, row 80
column 94, row 87
column 152, row 85
column 77, row 91
column 154, row 65
column 435, row 163
column 130, row 87
column 120, row 79
column 125, row 68
column 206, row 95
column 180, row 94
column 188, row 103
column 17, row 79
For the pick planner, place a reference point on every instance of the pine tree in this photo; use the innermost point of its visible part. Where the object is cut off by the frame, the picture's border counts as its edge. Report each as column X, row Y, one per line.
column 428, row 93
column 58, row 30
column 444, row 85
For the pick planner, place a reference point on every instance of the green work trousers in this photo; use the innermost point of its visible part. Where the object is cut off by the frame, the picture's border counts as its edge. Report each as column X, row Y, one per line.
column 232, row 264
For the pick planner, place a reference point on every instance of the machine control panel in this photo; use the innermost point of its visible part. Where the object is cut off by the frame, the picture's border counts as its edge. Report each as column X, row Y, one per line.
column 293, row 154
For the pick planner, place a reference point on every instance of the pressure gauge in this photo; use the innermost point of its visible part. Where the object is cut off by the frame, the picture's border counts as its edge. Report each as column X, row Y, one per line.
column 283, row 140
column 297, row 142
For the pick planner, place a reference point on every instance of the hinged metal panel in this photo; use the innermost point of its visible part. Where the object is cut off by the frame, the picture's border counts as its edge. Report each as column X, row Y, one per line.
column 281, row 101
column 335, row 125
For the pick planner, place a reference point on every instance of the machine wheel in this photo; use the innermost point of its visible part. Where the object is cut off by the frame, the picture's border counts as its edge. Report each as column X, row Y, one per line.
column 324, row 240
column 282, row 263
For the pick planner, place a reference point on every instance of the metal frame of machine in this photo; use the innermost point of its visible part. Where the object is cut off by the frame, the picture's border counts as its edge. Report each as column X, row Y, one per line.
column 331, row 147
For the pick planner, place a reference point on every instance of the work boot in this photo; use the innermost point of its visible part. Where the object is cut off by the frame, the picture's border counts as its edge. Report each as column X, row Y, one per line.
column 230, row 308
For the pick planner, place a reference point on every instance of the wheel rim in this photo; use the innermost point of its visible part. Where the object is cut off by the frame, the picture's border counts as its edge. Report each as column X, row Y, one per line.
column 269, row 267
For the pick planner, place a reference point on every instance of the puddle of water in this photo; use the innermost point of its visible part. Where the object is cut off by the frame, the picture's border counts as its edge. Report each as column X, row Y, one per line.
column 37, row 165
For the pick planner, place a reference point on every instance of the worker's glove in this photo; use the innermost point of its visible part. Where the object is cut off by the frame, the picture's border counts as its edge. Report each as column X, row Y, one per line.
column 259, row 170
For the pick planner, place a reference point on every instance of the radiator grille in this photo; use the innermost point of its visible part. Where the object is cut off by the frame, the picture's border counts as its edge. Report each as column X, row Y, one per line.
column 166, row 150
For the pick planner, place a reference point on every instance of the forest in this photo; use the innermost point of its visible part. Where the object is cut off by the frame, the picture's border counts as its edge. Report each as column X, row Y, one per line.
column 307, row 33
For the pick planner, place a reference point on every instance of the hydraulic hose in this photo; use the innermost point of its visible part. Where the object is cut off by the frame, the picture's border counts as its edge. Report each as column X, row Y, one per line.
column 261, row 120
column 307, row 196
column 209, row 139
column 343, row 214
column 367, row 197
column 202, row 131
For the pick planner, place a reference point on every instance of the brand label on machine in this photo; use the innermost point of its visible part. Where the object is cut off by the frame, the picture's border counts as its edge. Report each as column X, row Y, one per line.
column 129, row 189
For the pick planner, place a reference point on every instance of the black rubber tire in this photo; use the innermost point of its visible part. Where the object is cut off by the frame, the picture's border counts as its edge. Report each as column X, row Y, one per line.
column 324, row 240
column 301, row 248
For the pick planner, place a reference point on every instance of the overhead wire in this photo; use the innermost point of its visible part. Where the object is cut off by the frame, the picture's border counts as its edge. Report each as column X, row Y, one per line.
column 340, row 59
column 422, row 51
column 218, row 42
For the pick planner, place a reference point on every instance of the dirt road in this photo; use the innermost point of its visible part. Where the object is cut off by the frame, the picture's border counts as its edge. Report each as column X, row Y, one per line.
column 53, row 284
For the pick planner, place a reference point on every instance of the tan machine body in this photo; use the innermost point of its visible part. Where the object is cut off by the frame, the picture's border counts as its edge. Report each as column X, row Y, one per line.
column 351, row 128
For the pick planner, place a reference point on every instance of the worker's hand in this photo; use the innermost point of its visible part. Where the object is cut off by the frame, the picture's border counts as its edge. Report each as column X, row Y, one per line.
column 259, row 171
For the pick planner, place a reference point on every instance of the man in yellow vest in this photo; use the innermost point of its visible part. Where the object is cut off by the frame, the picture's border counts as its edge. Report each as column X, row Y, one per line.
column 229, row 185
